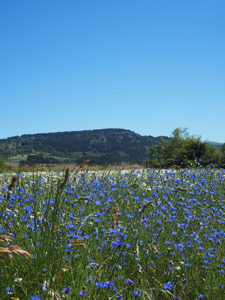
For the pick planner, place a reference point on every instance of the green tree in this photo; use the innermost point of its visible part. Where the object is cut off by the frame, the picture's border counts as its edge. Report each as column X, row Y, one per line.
column 181, row 150
column 223, row 156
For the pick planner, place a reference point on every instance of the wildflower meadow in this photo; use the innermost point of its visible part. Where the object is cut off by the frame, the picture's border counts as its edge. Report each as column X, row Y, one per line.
column 118, row 234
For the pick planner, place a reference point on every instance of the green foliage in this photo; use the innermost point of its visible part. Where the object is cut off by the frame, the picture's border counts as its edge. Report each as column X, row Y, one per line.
column 223, row 156
column 183, row 150
column 113, row 235
column 106, row 146
column 2, row 163
column 40, row 158
column 111, row 146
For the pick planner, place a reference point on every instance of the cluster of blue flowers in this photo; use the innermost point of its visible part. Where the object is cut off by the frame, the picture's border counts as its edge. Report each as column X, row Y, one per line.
column 123, row 234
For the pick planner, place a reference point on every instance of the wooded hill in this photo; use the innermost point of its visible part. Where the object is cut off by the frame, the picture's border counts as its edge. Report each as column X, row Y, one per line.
column 105, row 146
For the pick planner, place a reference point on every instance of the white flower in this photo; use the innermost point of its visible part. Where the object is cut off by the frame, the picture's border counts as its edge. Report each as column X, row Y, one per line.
column 18, row 279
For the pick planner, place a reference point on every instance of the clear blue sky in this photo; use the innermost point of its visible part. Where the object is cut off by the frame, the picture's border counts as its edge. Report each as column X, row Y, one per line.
column 144, row 65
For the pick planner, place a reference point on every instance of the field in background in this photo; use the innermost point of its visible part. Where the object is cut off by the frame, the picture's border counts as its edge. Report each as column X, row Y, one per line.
column 14, row 167
column 113, row 234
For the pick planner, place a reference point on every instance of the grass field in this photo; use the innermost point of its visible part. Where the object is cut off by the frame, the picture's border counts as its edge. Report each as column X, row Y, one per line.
column 130, row 234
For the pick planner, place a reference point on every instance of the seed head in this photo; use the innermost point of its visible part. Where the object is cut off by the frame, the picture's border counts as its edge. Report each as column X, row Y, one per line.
column 13, row 183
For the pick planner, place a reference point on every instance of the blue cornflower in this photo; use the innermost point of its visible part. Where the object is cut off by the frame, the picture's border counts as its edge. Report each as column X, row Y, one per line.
column 100, row 284
column 91, row 259
column 82, row 293
column 9, row 289
column 137, row 259
column 171, row 268
column 168, row 286
column 28, row 209
column 130, row 216
column 35, row 298
column 66, row 290
column 179, row 246
column 129, row 281
column 137, row 293
column 188, row 265
column 97, row 220
column 201, row 296
column 89, row 279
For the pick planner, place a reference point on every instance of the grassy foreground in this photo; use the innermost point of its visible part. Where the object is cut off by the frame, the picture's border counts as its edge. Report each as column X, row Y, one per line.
column 139, row 234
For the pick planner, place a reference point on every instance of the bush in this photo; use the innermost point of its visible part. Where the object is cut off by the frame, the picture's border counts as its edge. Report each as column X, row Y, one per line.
column 182, row 150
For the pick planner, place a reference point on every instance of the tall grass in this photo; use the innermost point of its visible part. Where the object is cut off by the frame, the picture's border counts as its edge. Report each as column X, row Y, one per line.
column 143, row 234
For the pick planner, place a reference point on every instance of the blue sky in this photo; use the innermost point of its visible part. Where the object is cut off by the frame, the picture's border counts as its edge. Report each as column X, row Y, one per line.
column 144, row 65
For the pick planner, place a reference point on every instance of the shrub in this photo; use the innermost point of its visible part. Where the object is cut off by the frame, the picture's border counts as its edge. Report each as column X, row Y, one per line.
column 183, row 151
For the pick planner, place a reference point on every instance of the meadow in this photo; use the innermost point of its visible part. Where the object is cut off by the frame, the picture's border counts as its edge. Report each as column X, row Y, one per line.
column 116, row 234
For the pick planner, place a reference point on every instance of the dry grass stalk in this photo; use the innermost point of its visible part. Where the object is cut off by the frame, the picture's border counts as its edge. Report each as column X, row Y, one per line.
column 31, row 249
column 84, row 163
column 53, row 227
column 5, row 251
column 62, row 185
column 59, row 277
column 11, row 185
column 145, row 205
column 14, row 249
column 18, row 251
column 154, row 248
column 78, row 242
column 5, row 238
column 116, row 209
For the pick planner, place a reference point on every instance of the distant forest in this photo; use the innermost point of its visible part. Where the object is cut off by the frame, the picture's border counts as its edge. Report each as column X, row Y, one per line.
column 102, row 147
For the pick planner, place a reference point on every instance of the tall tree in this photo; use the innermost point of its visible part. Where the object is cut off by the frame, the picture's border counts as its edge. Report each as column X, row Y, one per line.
column 180, row 150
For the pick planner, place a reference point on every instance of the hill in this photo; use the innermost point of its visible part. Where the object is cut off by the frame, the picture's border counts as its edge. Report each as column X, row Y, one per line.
column 104, row 146
column 217, row 145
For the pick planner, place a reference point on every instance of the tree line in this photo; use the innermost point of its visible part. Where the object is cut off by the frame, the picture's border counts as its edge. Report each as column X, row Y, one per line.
column 182, row 150
column 105, row 146
column 115, row 146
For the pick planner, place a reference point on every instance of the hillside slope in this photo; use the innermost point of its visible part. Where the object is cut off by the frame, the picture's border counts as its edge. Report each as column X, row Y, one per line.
column 104, row 146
